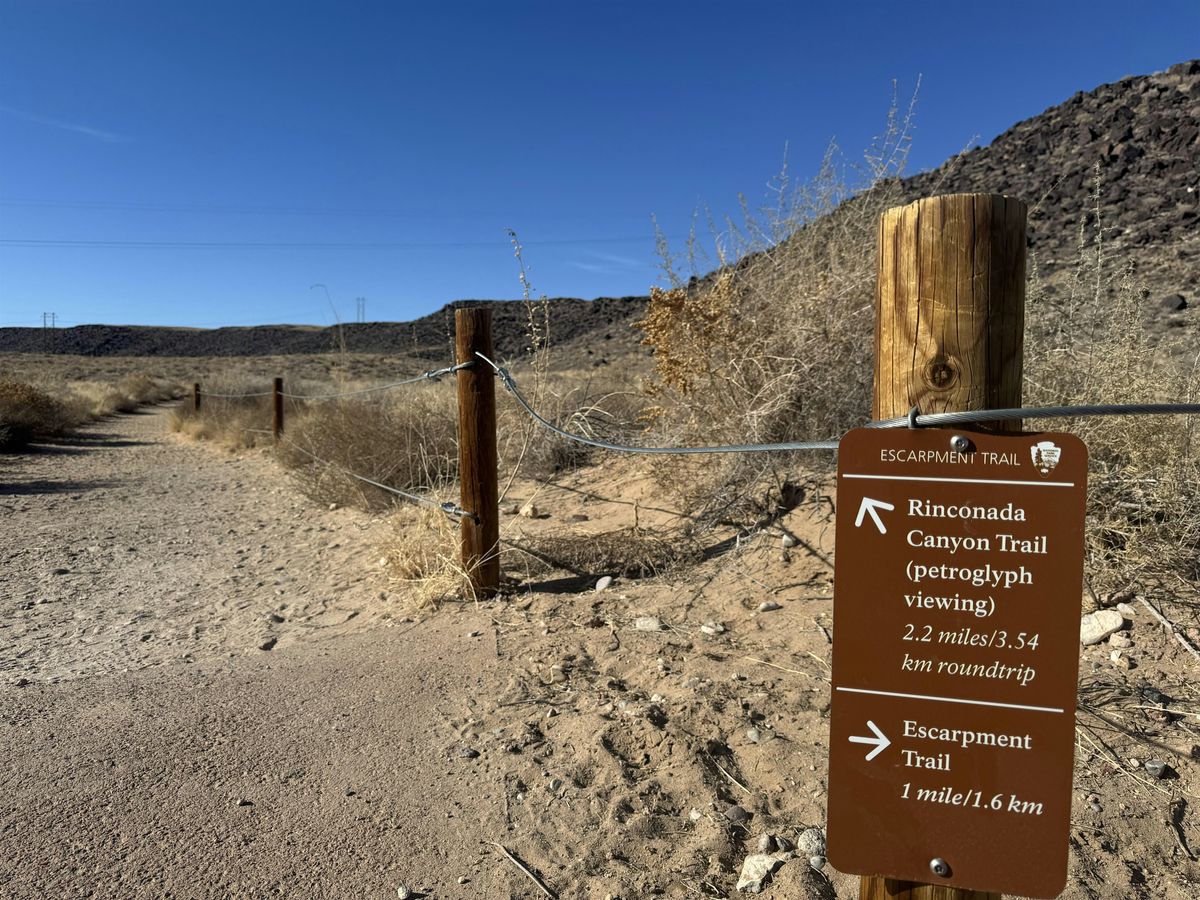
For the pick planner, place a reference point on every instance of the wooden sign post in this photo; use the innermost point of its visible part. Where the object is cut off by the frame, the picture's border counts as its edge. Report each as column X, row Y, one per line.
column 277, row 408
column 477, row 457
column 949, row 332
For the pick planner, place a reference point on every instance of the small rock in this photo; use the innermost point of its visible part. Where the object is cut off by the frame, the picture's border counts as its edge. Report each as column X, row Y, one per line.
column 468, row 752
column 268, row 644
column 1119, row 640
column 578, row 517
column 754, row 736
column 1134, row 762
column 463, row 879
column 1111, row 599
column 1157, row 768
column 60, row 571
column 332, row 507
column 1126, row 610
column 405, row 893
column 1173, row 303
column 244, row 802
column 811, row 842
column 712, row 629
column 756, row 872
column 555, row 785
column 784, row 844
column 768, row 606
column 604, row 583
column 817, row 861
column 1120, row 660
column 766, row 844
column 788, row 541
column 472, row 634
column 1095, row 627
column 737, row 814
column 648, row 623
column 529, row 510
column 695, row 815
column 21, row 682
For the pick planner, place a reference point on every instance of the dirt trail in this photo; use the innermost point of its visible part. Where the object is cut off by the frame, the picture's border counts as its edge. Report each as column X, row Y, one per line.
column 635, row 741
column 126, row 548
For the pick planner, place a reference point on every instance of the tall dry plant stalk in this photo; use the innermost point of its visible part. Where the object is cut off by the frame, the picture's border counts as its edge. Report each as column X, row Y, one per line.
column 776, row 344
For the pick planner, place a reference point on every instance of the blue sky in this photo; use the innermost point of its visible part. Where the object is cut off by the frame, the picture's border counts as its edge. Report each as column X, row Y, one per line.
column 207, row 163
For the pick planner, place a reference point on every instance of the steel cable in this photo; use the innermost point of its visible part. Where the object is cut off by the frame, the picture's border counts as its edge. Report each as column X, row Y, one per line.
column 914, row 419
column 449, row 509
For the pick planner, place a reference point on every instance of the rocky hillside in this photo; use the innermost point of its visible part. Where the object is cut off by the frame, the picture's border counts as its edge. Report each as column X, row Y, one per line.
column 1140, row 136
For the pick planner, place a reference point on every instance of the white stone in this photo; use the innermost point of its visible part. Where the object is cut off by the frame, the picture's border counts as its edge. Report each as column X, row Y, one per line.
column 756, row 872
column 712, row 629
column 648, row 623
column 811, row 842
column 788, row 541
column 604, row 583
column 1095, row 627
column 529, row 510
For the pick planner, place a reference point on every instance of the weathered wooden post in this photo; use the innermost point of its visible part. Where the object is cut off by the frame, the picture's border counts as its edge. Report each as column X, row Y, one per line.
column 949, row 331
column 196, row 397
column 277, row 407
column 477, row 450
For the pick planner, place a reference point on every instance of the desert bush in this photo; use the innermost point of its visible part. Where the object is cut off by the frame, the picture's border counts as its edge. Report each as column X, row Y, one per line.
column 775, row 344
column 602, row 408
column 421, row 557
column 27, row 413
column 406, row 439
column 236, row 423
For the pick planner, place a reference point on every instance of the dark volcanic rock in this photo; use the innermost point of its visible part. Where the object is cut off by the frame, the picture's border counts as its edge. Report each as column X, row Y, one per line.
column 429, row 337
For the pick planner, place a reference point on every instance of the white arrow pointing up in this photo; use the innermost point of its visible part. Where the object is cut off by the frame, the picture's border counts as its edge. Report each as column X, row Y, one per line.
column 880, row 740
column 870, row 505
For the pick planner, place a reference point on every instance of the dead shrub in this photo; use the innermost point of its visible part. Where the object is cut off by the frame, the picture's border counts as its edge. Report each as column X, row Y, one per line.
column 406, row 440
column 626, row 552
column 27, row 413
column 422, row 558
column 776, row 344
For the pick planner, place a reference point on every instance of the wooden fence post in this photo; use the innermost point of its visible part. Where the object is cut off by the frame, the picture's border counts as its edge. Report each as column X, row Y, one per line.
column 949, row 328
column 277, row 405
column 477, row 450
column 196, row 397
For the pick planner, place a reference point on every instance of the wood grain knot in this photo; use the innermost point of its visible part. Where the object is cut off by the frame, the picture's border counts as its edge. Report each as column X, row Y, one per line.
column 942, row 373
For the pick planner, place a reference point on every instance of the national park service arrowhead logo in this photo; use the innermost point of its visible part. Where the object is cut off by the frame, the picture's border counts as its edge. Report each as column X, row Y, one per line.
column 1046, row 455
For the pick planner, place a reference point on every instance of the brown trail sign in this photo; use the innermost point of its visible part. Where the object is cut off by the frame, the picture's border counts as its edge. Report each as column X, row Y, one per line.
column 956, row 654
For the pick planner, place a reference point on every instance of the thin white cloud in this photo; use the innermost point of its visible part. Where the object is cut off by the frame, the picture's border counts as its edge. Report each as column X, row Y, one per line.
column 98, row 134
column 605, row 263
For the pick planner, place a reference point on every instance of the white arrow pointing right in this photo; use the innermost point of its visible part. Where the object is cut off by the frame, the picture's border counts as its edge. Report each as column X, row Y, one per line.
column 870, row 505
column 880, row 740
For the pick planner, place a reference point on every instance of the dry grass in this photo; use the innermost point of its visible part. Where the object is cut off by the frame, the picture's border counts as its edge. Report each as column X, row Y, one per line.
column 405, row 439
column 47, row 409
column 775, row 345
column 625, row 552
column 422, row 558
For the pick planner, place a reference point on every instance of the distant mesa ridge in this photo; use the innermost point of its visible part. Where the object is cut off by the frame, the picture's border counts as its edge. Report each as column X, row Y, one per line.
column 1143, row 132
column 429, row 337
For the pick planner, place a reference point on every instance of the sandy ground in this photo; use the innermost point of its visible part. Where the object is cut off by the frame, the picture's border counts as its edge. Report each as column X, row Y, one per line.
column 154, row 748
